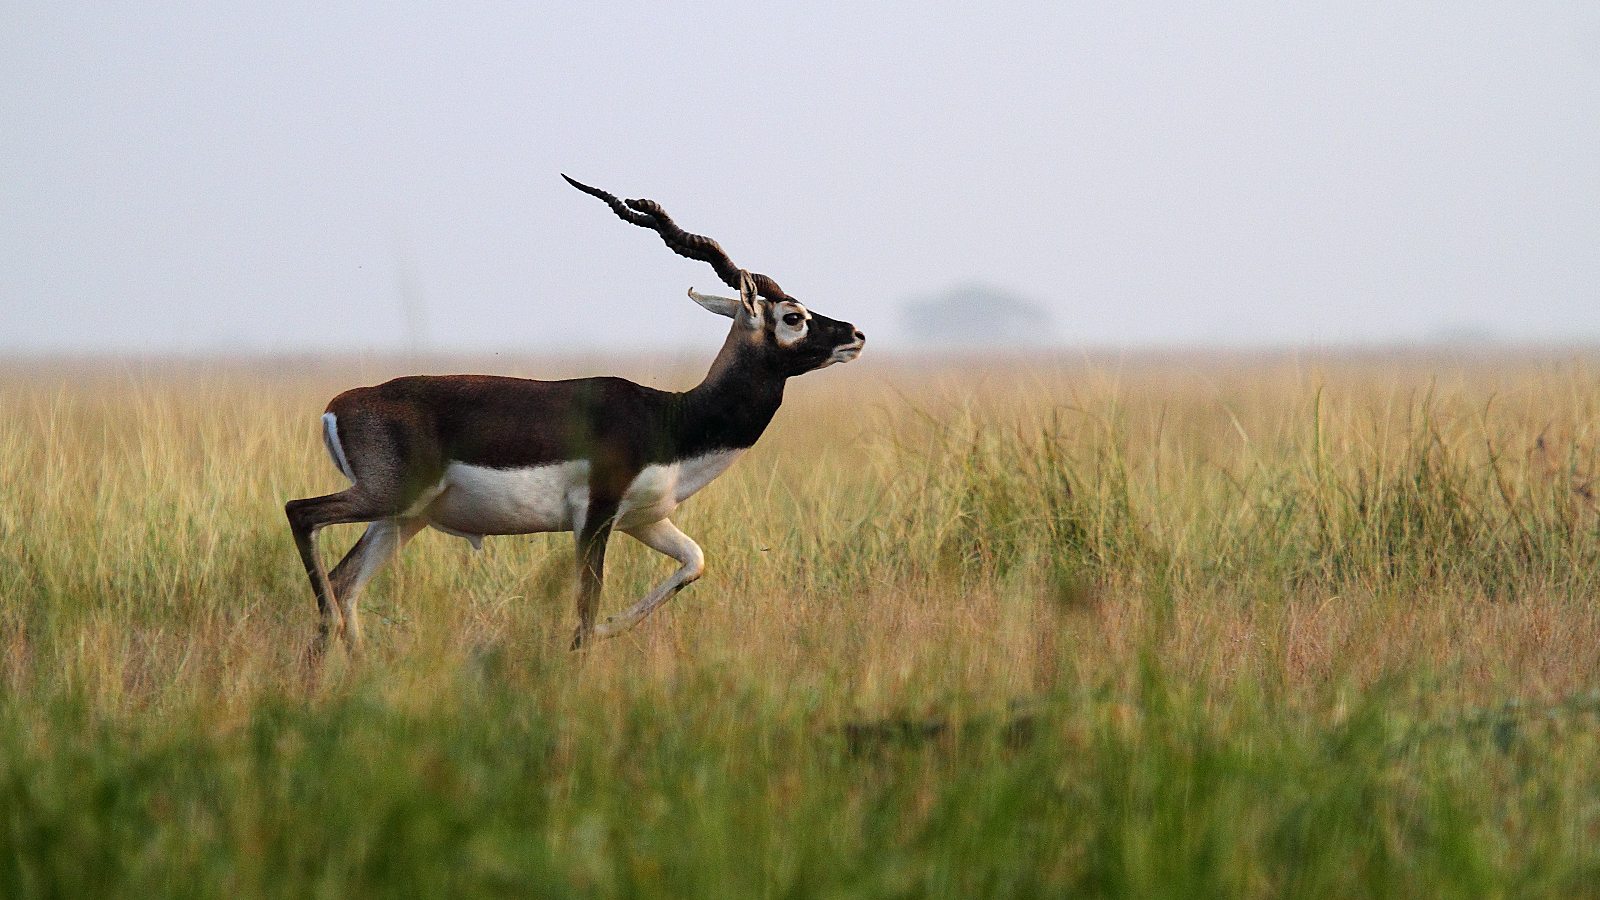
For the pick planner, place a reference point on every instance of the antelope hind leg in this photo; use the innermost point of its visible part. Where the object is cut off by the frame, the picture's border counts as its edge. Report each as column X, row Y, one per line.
column 377, row 547
column 306, row 518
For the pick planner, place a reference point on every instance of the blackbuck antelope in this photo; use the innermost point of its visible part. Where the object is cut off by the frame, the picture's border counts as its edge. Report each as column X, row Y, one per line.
column 475, row 455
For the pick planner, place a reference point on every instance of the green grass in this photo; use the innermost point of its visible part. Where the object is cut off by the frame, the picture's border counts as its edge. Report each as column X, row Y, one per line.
column 1226, row 630
column 704, row 792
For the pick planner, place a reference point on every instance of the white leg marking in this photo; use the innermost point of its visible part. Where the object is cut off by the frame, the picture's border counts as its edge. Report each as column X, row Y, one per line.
column 663, row 537
column 382, row 540
column 330, row 436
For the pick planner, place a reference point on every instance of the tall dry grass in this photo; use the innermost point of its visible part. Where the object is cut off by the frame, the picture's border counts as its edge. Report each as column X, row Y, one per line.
column 1247, row 625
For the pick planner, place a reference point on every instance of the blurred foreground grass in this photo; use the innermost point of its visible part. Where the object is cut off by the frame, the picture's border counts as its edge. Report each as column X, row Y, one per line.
column 1213, row 626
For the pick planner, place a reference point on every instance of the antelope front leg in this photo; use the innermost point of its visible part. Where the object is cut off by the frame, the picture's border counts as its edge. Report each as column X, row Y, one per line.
column 662, row 537
column 592, row 536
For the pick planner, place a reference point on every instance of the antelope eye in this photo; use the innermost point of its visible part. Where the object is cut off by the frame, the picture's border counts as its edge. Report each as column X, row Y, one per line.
column 793, row 319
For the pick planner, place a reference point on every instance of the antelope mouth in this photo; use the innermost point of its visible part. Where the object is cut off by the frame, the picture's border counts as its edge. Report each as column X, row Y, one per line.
column 845, row 353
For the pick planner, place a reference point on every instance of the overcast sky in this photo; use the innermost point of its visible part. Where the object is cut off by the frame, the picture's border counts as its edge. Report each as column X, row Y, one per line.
column 284, row 177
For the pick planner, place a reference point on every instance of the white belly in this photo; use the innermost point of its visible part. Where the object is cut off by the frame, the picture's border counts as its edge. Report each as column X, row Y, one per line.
column 482, row 500
column 477, row 500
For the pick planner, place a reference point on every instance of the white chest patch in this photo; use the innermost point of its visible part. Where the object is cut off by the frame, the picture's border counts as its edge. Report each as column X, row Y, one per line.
column 477, row 500
column 696, row 473
column 657, row 491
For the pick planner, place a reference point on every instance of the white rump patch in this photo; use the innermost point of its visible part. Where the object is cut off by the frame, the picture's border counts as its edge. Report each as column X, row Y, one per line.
column 330, row 436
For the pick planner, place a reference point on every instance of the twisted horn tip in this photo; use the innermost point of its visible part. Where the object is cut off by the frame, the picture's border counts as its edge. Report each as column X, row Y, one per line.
column 576, row 183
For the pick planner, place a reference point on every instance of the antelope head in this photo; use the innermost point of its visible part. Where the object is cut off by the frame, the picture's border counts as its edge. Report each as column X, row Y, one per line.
column 779, row 329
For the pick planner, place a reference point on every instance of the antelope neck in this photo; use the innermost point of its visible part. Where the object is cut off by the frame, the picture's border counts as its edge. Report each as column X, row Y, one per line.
column 732, row 406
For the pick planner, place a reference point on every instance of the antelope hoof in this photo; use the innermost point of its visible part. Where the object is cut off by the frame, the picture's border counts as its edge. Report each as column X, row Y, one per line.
column 311, row 661
column 317, row 647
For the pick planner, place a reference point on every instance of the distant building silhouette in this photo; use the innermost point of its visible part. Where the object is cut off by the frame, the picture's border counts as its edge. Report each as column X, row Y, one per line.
column 975, row 314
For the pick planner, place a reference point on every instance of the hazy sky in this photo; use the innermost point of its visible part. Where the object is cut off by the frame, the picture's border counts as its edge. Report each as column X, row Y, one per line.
column 290, row 176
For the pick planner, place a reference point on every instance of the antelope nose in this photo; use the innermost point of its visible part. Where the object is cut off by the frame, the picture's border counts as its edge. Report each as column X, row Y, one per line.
column 859, row 335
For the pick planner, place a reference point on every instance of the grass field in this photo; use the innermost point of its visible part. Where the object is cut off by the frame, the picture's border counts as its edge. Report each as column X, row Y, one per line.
column 1206, row 626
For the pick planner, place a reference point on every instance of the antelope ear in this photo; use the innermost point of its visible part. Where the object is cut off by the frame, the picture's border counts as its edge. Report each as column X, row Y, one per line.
column 722, row 306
